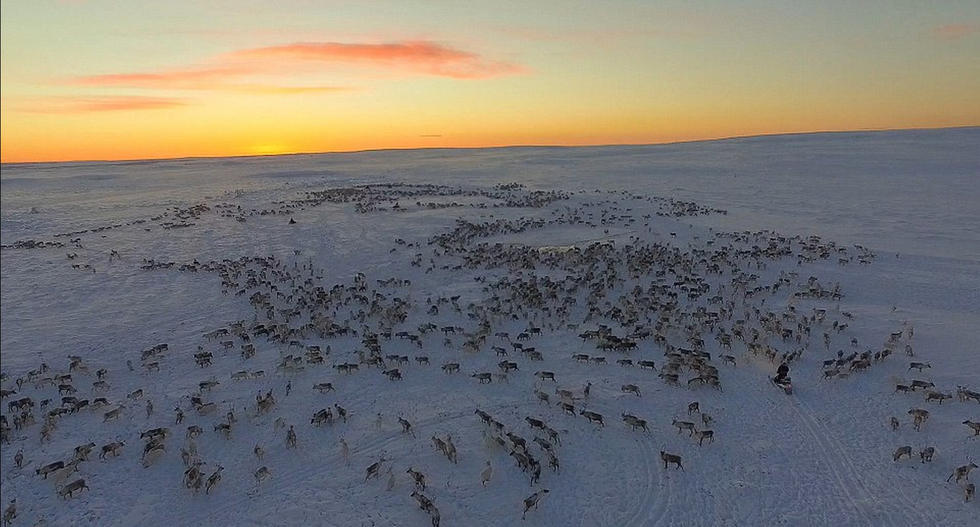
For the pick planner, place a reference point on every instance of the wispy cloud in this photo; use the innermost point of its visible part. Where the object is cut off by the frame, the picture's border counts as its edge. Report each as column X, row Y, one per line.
column 105, row 103
column 423, row 57
column 288, row 60
column 189, row 78
column 202, row 78
column 954, row 31
column 284, row 90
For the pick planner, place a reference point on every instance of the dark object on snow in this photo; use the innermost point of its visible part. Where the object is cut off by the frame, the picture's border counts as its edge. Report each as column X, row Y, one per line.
column 782, row 371
column 292, row 221
column 784, row 383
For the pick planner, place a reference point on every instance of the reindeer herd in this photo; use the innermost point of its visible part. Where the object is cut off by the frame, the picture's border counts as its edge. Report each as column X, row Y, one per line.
column 656, row 305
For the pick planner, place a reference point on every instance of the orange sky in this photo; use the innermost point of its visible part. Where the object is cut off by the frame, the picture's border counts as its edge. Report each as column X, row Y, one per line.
column 85, row 80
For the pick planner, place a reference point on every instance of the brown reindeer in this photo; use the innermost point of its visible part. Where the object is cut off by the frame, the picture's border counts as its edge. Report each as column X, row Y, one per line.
column 902, row 451
column 671, row 458
column 531, row 502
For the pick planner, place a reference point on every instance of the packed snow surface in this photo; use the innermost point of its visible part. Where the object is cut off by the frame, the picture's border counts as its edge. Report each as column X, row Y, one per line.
column 821, row 250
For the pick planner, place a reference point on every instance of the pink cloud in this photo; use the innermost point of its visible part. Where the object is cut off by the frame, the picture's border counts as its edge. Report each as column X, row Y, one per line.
column 419, row 57
column 191, row 78
column 954, row 31
column 106, row 103
column 283, row 90
column 199, row 79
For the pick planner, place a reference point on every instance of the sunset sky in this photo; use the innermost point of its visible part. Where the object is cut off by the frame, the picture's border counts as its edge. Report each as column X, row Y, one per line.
column 88, row 79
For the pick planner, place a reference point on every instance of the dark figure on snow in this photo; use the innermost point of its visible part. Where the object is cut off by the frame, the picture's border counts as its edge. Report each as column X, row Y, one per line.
column 782, row 372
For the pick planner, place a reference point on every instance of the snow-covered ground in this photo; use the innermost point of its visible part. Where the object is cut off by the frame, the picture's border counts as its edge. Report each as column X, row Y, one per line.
column 821, row 456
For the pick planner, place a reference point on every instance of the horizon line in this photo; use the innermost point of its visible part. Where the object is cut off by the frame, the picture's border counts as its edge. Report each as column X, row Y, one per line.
column 492, row 147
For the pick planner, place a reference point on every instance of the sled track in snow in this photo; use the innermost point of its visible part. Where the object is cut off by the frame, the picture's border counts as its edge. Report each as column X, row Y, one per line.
column 836, row 465
column 651, row 510
column 906, row 513
column 849, row 483
column 654, row 498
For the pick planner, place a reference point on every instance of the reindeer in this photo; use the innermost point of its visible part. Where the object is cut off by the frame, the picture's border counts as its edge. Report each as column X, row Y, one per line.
column 50, row 468
column 926, row 454
column 291, row 437
column 962, row 472
column 450, row 449
column 518, row 441
column 193, row 431
column 974, row 425
column 918, row 366
column 82, row 451
column 424, row 502
column 194, row 478
column 112, row 414
column 671, row 458
column 931, row 396
column 969, row 490
column 592, row 417
column 705, row 434
column 635, row 422
column 531, row 502
column 152, row 451
column 544, row 444
column 111, row 448
column 374, row 469
column 553, row 435
column 902, row 451
column 919, row 416
column 224, row 429
column 341, row 412
column 484, row 378
column 535, row 423
column 10, row 513
column 485, row 417
column 213, row 480
column 553, row 461
column 154, row 433
column 69, row 489
column 261, row 474
column 693, row 407
column 683, row 425
column 545, row 375
column 487, row 474
column 406, row 426
column 418, row 477
column 916, row 384
column 893, row 422
column 965, row 395
column 631, row 388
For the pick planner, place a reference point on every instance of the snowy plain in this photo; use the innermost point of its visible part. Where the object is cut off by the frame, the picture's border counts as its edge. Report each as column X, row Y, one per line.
column 821, row 456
